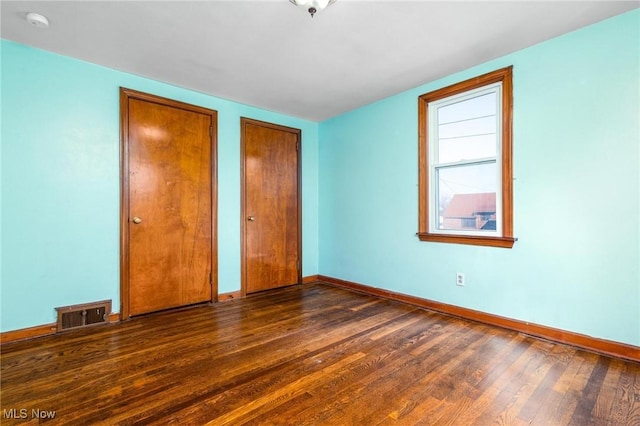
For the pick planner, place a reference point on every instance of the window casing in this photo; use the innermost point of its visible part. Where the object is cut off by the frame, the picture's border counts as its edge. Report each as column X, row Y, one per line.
column 465, row 168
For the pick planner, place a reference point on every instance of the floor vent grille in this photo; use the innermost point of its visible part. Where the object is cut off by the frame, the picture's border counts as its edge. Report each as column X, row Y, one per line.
column 84, row 315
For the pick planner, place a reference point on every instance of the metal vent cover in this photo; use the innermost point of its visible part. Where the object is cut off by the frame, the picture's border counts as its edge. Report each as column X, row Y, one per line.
column 83, row 315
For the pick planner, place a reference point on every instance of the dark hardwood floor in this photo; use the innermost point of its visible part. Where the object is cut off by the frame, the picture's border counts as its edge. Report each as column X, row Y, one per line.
column 311, row 355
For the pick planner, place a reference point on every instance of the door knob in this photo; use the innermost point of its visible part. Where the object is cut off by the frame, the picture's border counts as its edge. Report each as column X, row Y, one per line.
column 137, row 220
column 251, row 218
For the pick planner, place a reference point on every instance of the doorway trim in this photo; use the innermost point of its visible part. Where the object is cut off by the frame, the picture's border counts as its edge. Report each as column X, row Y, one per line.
column 125, row 96
column 243, row 213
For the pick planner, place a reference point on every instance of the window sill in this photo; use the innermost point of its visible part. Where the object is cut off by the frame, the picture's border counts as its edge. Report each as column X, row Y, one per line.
column 503, row 242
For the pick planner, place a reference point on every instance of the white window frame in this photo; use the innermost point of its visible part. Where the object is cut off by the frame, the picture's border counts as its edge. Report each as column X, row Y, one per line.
column 435, row 165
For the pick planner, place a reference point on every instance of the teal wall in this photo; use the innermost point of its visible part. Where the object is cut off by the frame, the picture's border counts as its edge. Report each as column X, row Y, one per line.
column 577, row 189
column 60, row 182
column 576, row 193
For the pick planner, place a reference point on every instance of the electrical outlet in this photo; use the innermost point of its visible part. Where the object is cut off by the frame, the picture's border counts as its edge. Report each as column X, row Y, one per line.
column 460, row 278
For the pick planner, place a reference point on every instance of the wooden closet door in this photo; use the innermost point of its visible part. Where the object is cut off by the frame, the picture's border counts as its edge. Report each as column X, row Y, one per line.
column 271, row 206
column 169, row 223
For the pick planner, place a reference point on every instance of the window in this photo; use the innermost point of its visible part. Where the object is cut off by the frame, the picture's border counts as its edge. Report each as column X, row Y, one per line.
column 465, row 175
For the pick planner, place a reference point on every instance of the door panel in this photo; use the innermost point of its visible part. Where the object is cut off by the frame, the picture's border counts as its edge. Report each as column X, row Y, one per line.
column 271, row 208
column 170, row 193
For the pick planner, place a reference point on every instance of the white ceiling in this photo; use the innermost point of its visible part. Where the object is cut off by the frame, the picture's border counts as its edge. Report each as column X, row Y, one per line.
column 273, row 55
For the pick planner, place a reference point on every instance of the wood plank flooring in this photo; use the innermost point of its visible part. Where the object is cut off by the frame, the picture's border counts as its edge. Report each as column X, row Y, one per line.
column 311, row 355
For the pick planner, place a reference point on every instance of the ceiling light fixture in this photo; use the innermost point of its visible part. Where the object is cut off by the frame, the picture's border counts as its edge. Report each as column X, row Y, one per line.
column 312, row 6
column 37, row 20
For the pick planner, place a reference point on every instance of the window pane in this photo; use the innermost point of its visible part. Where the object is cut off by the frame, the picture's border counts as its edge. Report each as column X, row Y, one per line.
column 479, row 106
column 469, row 148
column 467, row 197
column 467, row 129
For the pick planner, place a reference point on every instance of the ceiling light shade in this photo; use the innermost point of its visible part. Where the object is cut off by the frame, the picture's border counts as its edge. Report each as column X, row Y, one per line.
column 37, row 20
column 312, row 6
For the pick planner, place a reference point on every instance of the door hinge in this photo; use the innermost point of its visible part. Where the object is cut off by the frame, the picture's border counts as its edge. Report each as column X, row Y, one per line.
column 210, row 279
column 211, row 131
column 298, row 265
column 297, row 146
